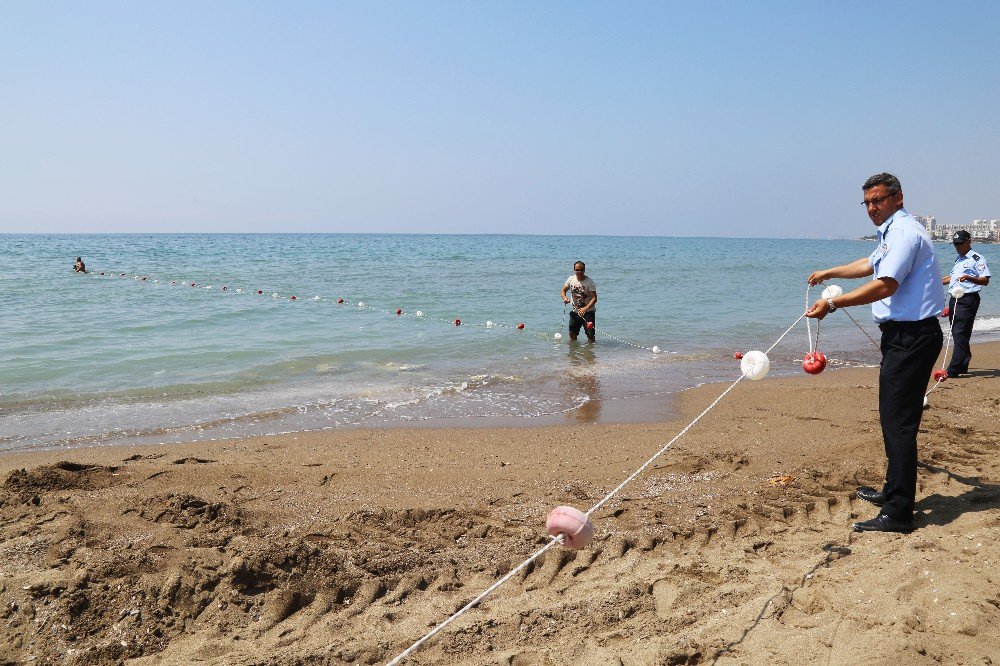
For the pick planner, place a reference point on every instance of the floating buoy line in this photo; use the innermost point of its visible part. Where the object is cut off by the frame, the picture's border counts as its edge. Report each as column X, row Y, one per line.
column 519, row 327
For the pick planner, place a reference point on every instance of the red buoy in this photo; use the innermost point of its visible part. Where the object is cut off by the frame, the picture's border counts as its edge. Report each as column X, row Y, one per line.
column 225, row 288
column 144, row 279
column 814, row 362
column 458, row 322
column 940, row 375
column 738, row 355
column 520, row 327
column 590, row 325
column 192, row 284
column 173, row 282
column 945, row 312
column 294, row 298
column 340, row 300
column 260, row 292
column 399, row 311
column 102, row 272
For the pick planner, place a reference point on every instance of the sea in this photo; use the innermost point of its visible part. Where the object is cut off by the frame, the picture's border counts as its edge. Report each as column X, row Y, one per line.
column 192, row 337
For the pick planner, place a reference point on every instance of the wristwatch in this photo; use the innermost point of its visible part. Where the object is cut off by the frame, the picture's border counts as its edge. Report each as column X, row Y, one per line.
column 833, row 308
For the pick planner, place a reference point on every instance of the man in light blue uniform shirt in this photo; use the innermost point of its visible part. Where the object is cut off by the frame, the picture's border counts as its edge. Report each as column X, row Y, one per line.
column 971, row 273
column 906, row 299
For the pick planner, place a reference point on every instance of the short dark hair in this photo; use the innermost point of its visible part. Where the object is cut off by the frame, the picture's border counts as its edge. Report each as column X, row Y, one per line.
column 891, row 183
column 581, row 263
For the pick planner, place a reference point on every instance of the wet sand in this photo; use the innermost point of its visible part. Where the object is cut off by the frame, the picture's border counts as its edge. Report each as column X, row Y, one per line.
column 345, row 547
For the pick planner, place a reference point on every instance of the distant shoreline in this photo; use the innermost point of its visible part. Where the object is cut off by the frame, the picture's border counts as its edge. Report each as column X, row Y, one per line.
column 939, row 240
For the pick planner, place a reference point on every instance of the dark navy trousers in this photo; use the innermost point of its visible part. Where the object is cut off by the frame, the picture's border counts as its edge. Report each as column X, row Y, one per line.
column 962, row 312
column 909, row 350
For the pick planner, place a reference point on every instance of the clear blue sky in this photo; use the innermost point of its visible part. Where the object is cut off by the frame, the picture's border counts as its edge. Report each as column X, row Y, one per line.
column 663, row 118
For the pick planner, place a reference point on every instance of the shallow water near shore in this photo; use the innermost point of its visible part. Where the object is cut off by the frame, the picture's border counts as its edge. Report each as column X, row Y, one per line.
column 167, row 339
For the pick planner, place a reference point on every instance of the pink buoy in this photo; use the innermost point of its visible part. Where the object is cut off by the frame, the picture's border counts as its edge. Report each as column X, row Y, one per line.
column 520, row 327
column 738, row 356
column 814, row 362
column 940, row 375
column 573, row 524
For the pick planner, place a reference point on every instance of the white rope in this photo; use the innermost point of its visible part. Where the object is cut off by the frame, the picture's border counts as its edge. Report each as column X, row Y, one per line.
column 947, row 344
column 594, row 330
column 663, row 450
column 597, row 506
column 624, row 342
column 475, row 601
column 808, row 328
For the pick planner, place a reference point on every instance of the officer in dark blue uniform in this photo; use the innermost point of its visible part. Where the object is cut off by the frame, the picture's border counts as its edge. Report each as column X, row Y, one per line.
column 906, row 299
column 971, row 274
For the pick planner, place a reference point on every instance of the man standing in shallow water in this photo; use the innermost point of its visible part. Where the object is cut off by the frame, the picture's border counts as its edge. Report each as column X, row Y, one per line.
column 906, row 298
column 584, row 293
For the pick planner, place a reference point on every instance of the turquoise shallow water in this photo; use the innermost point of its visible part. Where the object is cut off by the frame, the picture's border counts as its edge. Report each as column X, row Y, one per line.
column 146, row 357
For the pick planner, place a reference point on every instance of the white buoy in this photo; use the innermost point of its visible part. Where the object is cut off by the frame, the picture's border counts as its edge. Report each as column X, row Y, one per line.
column 656, row 350
column 957, row 291
column 419, row 313
column 755, row 365
column 926, row 402
column 274, row 295
column 557, row 336
column 361, row 304
column 832, row 291
column 239, row 291
column 489, row 324
column 316, row 298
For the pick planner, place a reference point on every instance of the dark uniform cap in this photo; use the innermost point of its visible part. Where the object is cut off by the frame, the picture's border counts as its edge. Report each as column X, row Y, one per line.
column 960, row 237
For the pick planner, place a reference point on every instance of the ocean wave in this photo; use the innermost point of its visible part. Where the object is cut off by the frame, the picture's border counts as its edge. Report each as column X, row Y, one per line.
column 987, row 324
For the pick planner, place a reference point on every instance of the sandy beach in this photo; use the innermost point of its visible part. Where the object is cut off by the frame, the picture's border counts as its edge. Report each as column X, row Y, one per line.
column 345, row 547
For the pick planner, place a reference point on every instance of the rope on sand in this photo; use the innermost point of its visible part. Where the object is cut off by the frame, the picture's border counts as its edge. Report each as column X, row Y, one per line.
column 559, row 538
column 630, row 478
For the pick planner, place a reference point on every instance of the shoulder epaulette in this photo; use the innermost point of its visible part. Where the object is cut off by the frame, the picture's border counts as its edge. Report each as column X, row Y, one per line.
column 976, row 256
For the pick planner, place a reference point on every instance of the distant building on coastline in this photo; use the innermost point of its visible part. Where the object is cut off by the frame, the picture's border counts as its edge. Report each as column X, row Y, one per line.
column 929, row 222
column 981, row 230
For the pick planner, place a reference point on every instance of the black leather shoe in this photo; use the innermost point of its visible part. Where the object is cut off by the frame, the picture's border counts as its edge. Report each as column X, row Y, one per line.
column 883, row 523
column 871, row 495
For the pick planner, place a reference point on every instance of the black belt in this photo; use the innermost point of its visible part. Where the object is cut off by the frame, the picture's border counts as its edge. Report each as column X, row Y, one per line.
column 892, row 325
